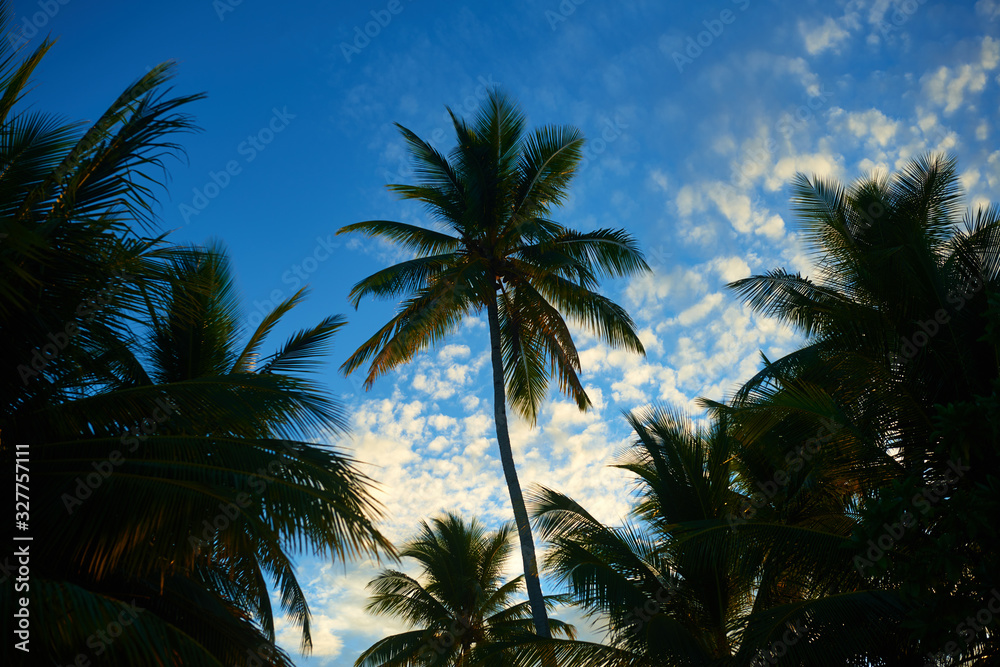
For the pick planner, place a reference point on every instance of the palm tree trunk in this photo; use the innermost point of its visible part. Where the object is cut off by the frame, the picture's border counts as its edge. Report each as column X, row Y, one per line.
column 513, row 486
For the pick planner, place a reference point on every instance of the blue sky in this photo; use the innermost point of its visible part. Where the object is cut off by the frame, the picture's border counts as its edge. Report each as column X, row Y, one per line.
column 697, row 115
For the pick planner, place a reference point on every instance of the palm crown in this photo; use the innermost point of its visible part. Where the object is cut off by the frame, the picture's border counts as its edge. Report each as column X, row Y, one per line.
column 498, row 246
column 461, row 606
column 893, row 264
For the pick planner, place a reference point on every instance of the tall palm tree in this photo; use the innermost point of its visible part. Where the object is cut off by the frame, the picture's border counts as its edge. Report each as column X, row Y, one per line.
column 496, row 249
column 460, row 605
column 171, row 474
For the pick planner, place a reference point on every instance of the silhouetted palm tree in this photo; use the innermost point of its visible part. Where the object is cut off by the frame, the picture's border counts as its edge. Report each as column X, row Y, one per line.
column 693, row 578
column 500, row 252
column 460, row 605
column 901, row 352
column 172, row 475
column 896, row 314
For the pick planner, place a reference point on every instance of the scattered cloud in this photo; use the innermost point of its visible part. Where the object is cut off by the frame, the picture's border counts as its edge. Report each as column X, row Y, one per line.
column 989, row 9
column 828, row 35
column 952, row 87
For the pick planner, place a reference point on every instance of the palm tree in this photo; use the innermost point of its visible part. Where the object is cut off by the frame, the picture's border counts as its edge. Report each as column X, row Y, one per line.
column 901, row 350
column 499, row 251
column 690, row 579
column 661, row 604
column 895, row 317
column 460, row 605
column 205, row 485
column 171, row 474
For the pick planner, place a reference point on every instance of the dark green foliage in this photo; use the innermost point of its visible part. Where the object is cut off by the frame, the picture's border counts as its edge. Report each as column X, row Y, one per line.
column 464, row 611
column 172, row 473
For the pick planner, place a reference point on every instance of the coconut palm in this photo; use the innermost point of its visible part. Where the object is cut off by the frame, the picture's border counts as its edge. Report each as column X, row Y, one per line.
column 693, row 578
column 203, row 483
column 172, row 475
column 497, row 250
column 660, row 604
column 460, row 606
column 901, row 349
column 895, row 316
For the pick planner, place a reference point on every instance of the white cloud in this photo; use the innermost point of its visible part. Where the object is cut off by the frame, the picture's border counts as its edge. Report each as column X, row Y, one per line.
column 990, row 53
column 732, row 204
column 775, row 66
column 877, row 13
column 993, row 172
column 724, row 144
column 989, row 9
column 731, row 268
column 823, row 165
column 773, row 227
column 451, row 352
column 872, row 125
column 650, row 342
column 951, row 87
column 442, row 422
column 689, row 201
column 653, row 289
column 337, row 597
column 926, row 134
column 700, row 310
column 969, row 178
column 978, row 203
column 827, row 36
column 659, row 180
column 326, row 644
column 755, row 155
